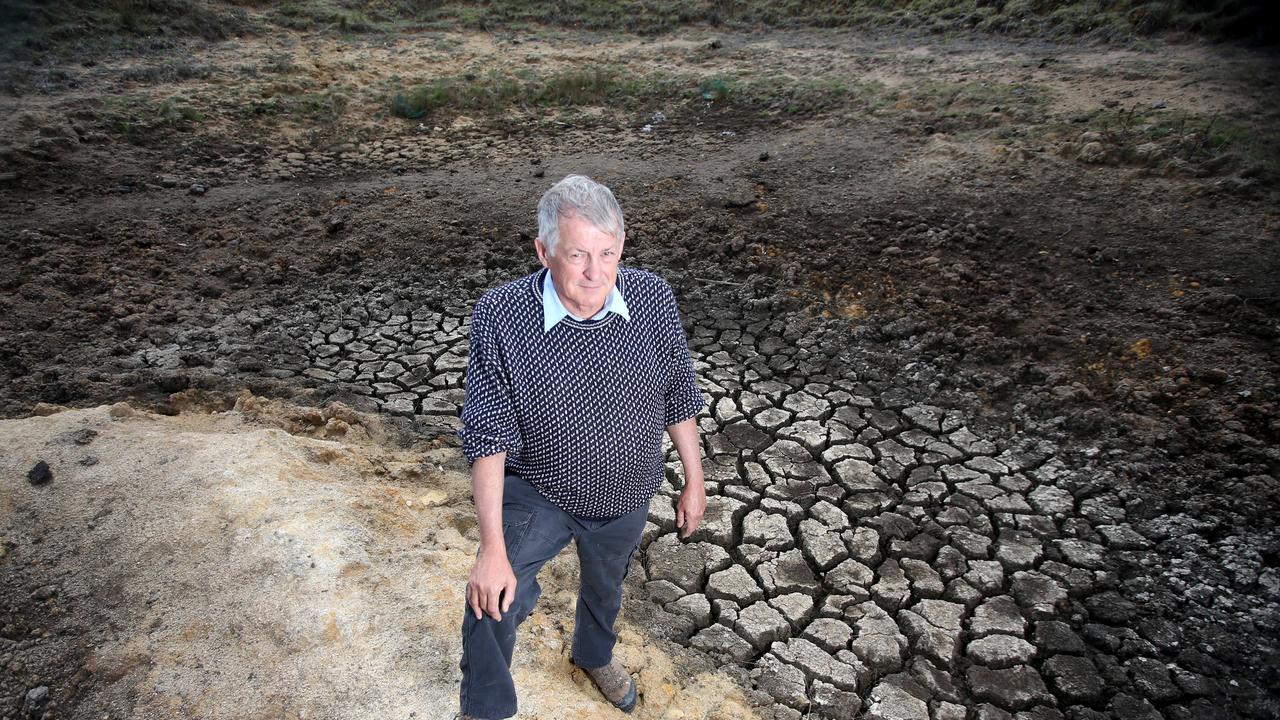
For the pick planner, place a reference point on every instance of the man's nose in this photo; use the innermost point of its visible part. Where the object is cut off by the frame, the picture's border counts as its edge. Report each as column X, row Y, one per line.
column 591, row 269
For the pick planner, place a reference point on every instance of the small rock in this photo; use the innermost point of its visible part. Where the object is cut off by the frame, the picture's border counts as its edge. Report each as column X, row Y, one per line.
column 39, row 474
column 34, row 701
column 1094, row 153
column 121, row 410
column 196, row 189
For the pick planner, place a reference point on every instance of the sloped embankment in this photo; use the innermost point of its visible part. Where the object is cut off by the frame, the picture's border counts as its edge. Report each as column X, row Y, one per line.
column 267, row 561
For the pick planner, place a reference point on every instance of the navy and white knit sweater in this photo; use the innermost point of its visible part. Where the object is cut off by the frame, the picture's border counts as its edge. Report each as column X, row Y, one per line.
column 579, row 409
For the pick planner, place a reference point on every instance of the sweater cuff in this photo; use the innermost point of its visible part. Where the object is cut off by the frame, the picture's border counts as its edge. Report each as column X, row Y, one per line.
column 476, row 446
column 683, row 407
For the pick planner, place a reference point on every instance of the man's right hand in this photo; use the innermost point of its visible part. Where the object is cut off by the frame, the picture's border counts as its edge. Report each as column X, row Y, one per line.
column 492, row 586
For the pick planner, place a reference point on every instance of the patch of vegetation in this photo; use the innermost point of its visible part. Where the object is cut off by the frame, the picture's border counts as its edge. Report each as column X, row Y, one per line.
column 280, row 63
column 777, row 93
column 616, row 87
column 166, row 72
column 952, row 107
column 1150, row 135
column 1098, row 19
column 325, row 15
column 495, row 91
column 299, row 98
column 28, row 26
column 137, row 118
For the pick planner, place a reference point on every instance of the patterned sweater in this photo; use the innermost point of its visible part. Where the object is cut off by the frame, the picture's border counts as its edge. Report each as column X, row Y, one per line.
column 579, row 409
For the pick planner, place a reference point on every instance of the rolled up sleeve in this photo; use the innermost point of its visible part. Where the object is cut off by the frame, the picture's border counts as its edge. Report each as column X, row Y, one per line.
column 488, row 415
column 683, row 398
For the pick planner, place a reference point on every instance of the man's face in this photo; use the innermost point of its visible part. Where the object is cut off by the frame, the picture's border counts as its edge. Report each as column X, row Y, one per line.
column 584, row 267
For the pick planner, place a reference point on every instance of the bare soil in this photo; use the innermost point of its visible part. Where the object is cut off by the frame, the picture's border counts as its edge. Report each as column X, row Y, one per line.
column 1043, row 250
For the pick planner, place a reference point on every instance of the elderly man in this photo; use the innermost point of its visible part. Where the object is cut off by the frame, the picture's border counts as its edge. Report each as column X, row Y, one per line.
column 574, row 373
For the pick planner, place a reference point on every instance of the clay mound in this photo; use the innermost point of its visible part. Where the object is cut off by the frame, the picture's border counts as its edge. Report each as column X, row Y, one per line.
column 214, row 565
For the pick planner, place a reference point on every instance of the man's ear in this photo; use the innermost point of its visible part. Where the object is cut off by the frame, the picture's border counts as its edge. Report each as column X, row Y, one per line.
column 541, row 249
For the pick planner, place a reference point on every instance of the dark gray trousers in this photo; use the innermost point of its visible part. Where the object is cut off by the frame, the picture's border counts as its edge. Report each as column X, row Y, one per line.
column 535, row 530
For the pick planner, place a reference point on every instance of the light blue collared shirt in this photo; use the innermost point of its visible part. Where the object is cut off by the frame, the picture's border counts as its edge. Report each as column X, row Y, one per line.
column 553, row 311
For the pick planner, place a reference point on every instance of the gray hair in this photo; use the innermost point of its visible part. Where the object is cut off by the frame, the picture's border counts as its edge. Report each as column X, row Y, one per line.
column 578, row 196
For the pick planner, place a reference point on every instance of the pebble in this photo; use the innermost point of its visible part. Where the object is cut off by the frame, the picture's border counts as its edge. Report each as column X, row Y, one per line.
column 40, row 473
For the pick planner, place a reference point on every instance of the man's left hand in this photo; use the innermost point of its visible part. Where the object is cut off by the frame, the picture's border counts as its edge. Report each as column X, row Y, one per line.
column 689, row 510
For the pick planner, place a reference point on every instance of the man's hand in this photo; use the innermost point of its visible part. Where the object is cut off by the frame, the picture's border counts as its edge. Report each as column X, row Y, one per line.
column 492, row 586
column 692, row 504
column 693, row 499
column 492, row 581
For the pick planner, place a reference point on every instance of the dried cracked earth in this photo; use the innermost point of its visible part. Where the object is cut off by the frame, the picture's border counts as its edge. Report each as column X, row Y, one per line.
column 925, row 501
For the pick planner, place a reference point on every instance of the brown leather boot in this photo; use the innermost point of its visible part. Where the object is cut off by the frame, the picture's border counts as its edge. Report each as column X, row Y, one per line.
column 616, row 684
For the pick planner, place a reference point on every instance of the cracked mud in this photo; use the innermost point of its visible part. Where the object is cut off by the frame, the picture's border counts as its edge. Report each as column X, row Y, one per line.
column 926, row 501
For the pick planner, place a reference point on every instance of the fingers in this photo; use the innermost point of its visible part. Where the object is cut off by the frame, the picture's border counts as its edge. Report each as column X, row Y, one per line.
column 491, row 606
column 691, row 524
column 508, row 596
column 687, row 521
column 482, row 602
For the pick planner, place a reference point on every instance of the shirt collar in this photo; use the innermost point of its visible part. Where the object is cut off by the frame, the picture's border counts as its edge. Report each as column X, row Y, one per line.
column 553, row 311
